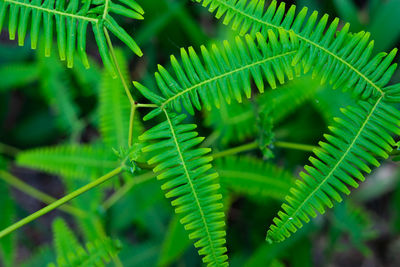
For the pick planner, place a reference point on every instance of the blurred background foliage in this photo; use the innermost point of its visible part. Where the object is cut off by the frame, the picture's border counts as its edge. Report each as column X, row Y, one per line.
column 68, row 111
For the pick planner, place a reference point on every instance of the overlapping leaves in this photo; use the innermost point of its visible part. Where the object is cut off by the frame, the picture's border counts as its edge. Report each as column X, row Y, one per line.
column 71, row 20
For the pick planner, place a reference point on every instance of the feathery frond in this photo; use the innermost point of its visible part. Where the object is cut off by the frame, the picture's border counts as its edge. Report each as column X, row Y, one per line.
column 226, row 73
column 254, row 177
column 357, row 139
column 70, row 161
column 341, row 58
column 71, row 253
column 191, row 183
column 71, row 19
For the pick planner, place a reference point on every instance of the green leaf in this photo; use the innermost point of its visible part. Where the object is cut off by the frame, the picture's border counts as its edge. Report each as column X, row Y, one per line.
column 340, row 58
column 71, row 161
column 357, row 140
column 71, row 21
column 214, row 77
column 190, row 182
column 71, row 253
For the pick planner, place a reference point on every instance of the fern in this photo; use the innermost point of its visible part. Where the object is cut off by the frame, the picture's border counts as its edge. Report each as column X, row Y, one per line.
column 225, row 68
column 253, row 177
column 71, row 19
column 70, row 252
column 341, row 58
column 69, row 161
column 191, row 183
column 357, row 139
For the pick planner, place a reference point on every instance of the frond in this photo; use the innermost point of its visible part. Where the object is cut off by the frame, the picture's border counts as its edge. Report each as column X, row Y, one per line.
column 70, row 252
column 357, row 139
column 254, row 177
column 191, row 183
column 64, row 239
column 339, row 57
column 114, row 109
column 222, row 73
column 70, row 161
column 71, row 19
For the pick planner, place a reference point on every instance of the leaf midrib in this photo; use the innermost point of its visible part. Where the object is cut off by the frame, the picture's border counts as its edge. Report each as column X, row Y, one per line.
column 193, row 190
column 294, row 214
column 224, row 75
column 306, row 40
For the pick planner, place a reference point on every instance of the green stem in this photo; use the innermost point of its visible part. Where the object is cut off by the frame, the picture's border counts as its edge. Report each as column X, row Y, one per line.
column 33, row 192
column 126, row 188
column 125, row 85
column 60, row 202
column 146, row 106
column 254, row 145
column 294, row 146
column 8, row 150
column 235, row 150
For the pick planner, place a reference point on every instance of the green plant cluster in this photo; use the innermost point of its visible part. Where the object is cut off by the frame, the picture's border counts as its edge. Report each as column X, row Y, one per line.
column 252, row 94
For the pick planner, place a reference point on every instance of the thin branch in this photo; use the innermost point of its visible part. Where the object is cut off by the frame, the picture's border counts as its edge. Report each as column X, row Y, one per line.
column 124, row 84
column 295, row 146
column 37, row 194
column 235, row 150
column 60, row 202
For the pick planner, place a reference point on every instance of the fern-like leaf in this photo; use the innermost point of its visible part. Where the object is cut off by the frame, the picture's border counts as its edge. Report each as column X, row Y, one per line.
column 69, row 161
column 71, row 253
column 71, row 19
column 191, row 184
column 226, row 73
column 357, row 139
column 254, row 177
column 341, row 58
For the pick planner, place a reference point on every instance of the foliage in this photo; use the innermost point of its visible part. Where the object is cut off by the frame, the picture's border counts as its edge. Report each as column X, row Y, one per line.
column 260, row 93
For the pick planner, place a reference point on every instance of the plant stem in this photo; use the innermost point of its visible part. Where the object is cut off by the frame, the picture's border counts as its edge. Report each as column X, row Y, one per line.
column 8, row 150
column 125, row 85
column 59, row 202
column 35, row 193
column 295, row 146
column 126, row 188
column 131, row 119
column 235, row 150
column 254, row 145
column 146, row 106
